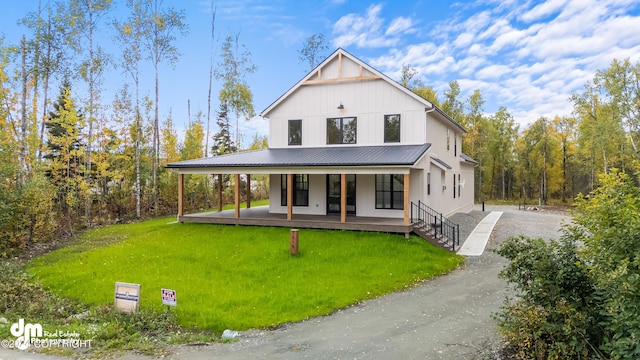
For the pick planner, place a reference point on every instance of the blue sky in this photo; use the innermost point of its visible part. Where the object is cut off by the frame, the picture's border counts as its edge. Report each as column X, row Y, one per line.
column 528, row 56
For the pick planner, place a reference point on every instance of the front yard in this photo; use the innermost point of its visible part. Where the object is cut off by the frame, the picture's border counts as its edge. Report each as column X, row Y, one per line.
column 239, row 277
column 225, row 277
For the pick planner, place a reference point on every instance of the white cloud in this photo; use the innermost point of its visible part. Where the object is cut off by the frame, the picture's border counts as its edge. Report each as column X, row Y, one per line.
column 399, row 25
column 368, row 30
column 464, row 40
column 545, row 9
column 494, row 72
column 527, row 57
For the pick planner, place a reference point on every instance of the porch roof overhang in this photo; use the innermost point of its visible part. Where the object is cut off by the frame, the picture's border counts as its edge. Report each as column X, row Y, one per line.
column 441, row 164
column 386, row 159
column 468, row 159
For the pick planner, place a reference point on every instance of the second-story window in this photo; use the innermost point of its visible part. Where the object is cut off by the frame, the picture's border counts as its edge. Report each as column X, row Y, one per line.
column 341, row 130
column 392, row 128
column 295, row 132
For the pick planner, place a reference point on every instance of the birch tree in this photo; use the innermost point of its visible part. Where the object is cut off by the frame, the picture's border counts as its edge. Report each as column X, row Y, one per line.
column 312, row 50
column 235, row 92
column 211, row 52
column 84, row 19
column 130, row 34
column 161, row 27
column 47, row 58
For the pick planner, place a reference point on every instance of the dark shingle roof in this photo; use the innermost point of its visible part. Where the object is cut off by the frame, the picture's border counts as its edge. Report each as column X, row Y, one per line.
column 325, row 156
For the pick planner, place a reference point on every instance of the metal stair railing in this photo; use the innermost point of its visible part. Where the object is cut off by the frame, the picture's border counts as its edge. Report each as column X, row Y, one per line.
column 434, row 224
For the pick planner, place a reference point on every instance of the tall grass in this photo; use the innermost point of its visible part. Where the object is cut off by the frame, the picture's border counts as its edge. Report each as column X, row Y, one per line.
column 239, row 277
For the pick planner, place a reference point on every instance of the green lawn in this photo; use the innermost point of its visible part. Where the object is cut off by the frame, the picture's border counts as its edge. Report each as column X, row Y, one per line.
column 239, row 277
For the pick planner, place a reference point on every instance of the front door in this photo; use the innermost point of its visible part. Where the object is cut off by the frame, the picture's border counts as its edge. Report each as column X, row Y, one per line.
column 333, row 194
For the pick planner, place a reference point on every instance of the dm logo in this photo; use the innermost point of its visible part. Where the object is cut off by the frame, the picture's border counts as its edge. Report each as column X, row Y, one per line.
column 24, row 332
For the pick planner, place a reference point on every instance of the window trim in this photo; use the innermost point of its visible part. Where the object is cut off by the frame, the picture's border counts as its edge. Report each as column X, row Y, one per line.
column 289, row 137
column 341, row 130
column 399, row 128
column 391, row 192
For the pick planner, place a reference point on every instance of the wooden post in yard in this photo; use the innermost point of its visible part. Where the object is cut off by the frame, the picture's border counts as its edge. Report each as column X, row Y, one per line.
column 237, row 195
column 180, row 195
column 293, row 242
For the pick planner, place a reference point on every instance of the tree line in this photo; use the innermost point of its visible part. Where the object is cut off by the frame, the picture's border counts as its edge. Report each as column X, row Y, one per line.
column 551, row 159
column 79, row 159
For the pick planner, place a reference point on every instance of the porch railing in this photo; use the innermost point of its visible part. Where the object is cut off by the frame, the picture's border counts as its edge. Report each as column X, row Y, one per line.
column 445, row 231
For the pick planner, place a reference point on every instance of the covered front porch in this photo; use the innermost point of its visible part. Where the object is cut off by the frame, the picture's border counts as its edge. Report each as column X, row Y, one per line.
column 260, row 216
column 383, row 205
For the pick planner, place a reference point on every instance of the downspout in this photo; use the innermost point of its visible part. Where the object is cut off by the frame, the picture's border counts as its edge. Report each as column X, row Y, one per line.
column 426, row 117
column 433, row 108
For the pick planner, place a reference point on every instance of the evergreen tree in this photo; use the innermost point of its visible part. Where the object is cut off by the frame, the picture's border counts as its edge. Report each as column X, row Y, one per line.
column 65, row 155
column 222, row 142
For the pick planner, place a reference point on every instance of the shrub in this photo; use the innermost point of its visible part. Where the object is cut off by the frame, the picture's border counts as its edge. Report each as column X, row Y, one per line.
column 608, row 222
column 553, row 316
column 19, row 297
column 579, row 297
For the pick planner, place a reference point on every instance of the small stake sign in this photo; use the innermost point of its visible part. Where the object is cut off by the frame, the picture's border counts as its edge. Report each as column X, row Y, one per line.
column 127, row 297
column 169, row 297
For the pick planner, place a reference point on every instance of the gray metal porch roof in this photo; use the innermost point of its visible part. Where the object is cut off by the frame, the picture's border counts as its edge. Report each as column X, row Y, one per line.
column 388, row 155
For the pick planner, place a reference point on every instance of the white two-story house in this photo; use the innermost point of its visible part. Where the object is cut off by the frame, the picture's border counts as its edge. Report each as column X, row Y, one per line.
column 350, row 141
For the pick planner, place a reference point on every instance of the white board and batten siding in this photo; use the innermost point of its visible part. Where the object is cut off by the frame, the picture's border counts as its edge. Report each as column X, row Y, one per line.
column 368, row 101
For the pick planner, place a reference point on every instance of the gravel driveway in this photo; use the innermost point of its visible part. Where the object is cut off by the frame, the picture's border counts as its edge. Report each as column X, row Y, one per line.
column 444, row 318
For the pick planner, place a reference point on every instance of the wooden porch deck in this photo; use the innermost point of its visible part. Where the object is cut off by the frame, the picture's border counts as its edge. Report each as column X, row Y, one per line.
column 260, row 216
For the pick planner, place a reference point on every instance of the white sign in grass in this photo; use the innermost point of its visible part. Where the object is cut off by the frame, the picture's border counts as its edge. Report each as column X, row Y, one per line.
column 127, row 297
column 169, row 297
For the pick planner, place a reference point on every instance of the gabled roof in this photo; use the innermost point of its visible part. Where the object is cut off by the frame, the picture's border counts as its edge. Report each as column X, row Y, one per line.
column 341, row 52
column 389, row 155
